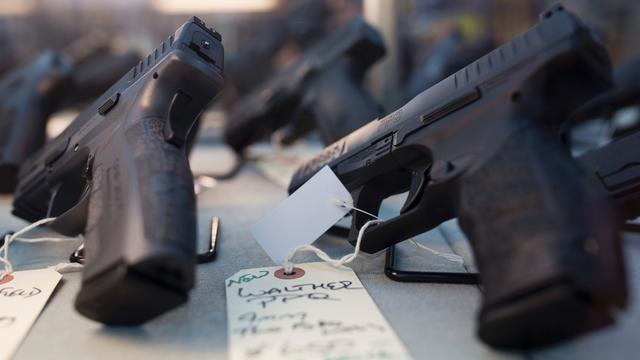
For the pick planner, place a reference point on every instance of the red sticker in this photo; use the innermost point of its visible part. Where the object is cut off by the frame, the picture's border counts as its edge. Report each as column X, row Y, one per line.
column 6, row 279
column 297, row 273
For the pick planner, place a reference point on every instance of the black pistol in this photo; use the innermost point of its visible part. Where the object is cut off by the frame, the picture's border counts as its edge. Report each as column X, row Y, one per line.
column 30, row 94
column 483, row 145
column 97, row 66
column 322, row 90
column 51, row 82
column 616, row 166
column 119, row 175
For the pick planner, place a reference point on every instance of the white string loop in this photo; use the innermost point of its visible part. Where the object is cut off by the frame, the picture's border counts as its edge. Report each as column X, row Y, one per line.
column 450, row 257
column 66, row 267
column 288, row 264
column 8, row 239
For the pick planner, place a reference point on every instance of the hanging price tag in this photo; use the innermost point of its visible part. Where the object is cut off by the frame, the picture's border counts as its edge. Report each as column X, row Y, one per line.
column 319, row 312
column 23, row 295
column 304, row 216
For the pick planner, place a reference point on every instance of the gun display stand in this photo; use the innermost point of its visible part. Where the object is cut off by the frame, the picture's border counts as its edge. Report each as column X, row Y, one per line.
column 201, row 258
column 633, row 227
column 440, row 277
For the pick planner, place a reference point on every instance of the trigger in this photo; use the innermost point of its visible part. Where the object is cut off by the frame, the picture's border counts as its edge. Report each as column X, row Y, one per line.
column 418, row 181
column 182, row 115
column 368, row 199
column 73, row 221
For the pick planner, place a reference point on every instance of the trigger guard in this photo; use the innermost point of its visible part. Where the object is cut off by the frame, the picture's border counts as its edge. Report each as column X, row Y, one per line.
column 369, row 199
column 73, row 221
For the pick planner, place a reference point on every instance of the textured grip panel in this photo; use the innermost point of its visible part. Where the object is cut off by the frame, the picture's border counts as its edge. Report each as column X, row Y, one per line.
column 128, row 264
column 168, row 197
column 545, row 242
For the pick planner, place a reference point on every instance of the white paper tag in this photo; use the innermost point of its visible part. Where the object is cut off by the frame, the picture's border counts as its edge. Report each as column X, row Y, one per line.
column 302, row 217
column 23, row 294
column 324, row 314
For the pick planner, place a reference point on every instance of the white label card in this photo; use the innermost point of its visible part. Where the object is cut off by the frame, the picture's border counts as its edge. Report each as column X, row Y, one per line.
column 23, row 294
column 324, row 314
column 302, row 217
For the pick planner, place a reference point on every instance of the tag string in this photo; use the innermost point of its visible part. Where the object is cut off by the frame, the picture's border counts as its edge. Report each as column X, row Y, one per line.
column 8, row 239
column 450, row 257
column 288, row 264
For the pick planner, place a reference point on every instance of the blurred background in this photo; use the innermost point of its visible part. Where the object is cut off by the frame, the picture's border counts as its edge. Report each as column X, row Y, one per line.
column 426, row 39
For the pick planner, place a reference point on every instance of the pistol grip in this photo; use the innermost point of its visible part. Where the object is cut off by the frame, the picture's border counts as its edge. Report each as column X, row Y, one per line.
column 338, row 101
column 141, row 228
column 29, row 96
column 545, row 242
column 22, row 133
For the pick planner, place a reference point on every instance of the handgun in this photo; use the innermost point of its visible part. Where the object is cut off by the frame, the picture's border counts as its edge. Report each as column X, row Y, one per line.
column 95, row 74
column 482, row 145
column 445, row 57
column 295, row 24
column 615, row 165
column 53, row 81
column 119, row 175
column 625, row 94
column 29, row 95
column 322, row 90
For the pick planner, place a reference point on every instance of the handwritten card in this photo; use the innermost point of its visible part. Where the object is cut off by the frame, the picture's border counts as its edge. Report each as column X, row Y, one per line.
column 23, row 294
column 321, row 312
column 302, row 217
